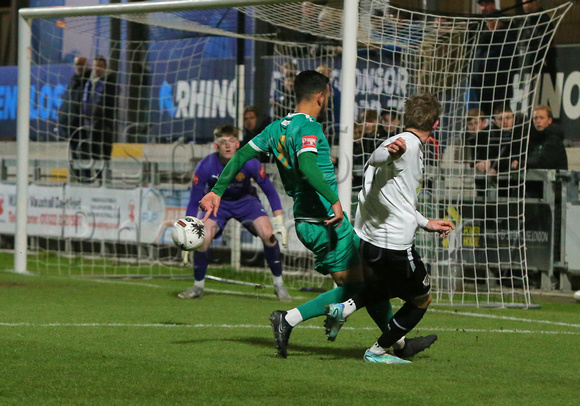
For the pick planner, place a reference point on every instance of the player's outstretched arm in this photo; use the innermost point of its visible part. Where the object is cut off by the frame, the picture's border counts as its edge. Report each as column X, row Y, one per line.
column 385, row 154
column 233, row 168
column 443, row 227
column 397, row 148
column 210, row 203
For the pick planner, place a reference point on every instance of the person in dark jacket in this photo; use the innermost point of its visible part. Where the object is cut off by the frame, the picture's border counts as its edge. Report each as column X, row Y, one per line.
column 69, row 112
column 546, row 149
column 390, row 124
column 534, row 43
column 254, row 123
column 493, row 66
column 98, row 120
column 99, row 99
column 474, row 124
column 499, row 153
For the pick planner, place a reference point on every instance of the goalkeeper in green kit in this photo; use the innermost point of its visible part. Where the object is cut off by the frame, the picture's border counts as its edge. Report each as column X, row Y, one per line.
column 303, row 159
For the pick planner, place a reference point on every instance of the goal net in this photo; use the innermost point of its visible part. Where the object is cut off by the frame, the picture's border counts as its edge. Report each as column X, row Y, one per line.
column 107, row 181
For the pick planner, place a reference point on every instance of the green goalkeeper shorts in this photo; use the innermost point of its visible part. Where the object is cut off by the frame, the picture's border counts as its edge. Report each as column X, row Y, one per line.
column 334, row 249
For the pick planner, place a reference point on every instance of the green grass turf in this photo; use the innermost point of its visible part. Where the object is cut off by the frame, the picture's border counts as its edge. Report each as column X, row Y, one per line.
column 86, row 341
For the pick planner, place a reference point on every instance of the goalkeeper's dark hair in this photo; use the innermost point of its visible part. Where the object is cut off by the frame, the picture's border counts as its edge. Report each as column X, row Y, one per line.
column 225, row 129
column 422, row 111
column 308, row 83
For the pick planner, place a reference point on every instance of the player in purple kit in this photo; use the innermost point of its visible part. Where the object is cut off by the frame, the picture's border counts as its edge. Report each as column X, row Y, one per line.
column 240, row 201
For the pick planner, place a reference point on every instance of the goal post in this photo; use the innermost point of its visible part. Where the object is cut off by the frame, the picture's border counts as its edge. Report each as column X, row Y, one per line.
column 171, row 89
column 348, row 86
column 123, row 10
column 22, row 138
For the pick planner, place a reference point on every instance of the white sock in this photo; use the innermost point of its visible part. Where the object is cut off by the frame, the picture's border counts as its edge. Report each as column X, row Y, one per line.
column 377, row 349
column 200, row 284
column 277, row 280
column 293, row 317
column 349, row 308
column 399, row 345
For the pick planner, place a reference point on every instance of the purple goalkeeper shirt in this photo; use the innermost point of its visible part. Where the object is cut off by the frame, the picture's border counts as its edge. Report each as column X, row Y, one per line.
column 210, row 168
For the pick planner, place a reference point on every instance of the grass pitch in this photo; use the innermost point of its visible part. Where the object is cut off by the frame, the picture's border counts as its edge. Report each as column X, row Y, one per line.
column 86, row 341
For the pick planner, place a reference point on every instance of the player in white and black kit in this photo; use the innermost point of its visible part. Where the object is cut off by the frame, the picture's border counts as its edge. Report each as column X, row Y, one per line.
column 386, row 221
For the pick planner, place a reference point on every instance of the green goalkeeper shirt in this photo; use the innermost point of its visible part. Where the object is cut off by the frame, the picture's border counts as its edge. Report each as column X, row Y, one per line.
column 286, row 139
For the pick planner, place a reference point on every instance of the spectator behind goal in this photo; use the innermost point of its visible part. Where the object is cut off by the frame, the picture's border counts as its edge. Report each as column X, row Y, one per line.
column 493, row 66
column 390, row 124
column 282, row 97
column 69, row 112
column 95, row 142
column 474, row 124
column 254, row 124
column 536, row 36
column 546, row 148
column 487, row 7
column 499, row 151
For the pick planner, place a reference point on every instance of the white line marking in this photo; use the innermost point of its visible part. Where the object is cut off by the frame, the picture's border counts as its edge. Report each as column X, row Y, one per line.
column 255, row 293
column 507, row 330
column 190, row 326
column 116, row 282
column 492, row 316
column 222, row 291
column 431, row 310
column 150, row 285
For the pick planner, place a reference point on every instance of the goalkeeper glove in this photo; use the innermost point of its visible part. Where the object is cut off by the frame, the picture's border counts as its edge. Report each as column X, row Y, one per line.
column 185, row 257
column 278, row 222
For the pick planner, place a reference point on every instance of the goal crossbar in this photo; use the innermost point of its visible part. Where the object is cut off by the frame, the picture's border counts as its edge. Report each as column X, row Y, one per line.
column 143, row 7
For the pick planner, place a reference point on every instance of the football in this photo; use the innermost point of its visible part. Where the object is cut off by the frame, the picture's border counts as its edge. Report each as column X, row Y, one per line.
column 577, row 296
column 188, row 233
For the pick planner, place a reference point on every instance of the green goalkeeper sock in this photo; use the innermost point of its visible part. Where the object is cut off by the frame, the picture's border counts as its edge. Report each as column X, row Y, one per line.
column 316, row 307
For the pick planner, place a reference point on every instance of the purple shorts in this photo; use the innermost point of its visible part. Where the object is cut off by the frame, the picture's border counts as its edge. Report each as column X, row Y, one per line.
column 245, row 210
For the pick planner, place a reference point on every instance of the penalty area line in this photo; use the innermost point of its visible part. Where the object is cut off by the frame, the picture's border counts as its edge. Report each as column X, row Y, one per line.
column 259, row 326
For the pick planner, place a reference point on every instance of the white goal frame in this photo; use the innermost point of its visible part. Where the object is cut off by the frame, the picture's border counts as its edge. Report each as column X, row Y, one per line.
column 375, row 54
column 25, row 16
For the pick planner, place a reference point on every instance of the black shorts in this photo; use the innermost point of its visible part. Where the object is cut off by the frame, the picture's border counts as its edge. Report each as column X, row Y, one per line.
column 401, row 273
